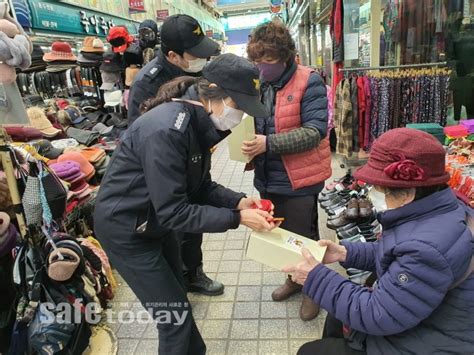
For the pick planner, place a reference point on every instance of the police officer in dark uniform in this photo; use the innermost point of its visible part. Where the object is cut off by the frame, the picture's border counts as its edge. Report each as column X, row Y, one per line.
column 184, row 49
column 158, row 186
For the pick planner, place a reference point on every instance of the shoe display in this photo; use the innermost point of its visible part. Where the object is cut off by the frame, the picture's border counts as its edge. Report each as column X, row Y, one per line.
column 289, row 288
column 308, row 310
column 352, row 215
column 200, row 283
column 338, row 222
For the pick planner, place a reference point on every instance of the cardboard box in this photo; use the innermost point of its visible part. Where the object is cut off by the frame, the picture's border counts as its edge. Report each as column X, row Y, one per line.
column 245, row 131
column 280, row 248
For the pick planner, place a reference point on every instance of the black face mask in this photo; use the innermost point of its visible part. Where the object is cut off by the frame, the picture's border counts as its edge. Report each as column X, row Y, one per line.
column 148, row 38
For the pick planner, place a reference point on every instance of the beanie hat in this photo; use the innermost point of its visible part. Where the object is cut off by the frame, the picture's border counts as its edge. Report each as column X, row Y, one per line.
column 405, row 158
column 62, row 270
column 8, row 240
column 86, row 167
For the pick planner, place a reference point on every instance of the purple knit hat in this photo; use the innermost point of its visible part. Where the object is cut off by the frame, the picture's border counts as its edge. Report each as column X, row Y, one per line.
column 67, row 170
column 8, row 240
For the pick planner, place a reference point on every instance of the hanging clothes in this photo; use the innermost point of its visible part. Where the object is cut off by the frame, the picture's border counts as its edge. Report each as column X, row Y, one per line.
column 368, row 106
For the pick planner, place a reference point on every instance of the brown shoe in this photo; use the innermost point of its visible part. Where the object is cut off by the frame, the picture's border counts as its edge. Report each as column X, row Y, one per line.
column 308, row 310
column 365, row 208
column 288, row 289
column 352, row 211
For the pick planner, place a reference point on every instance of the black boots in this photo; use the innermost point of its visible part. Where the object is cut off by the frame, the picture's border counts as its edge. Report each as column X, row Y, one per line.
column 197, row 281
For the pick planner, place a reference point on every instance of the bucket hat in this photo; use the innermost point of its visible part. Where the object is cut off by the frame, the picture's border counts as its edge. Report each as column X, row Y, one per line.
column 60, row 51
column 93, row 45
column 405, row 158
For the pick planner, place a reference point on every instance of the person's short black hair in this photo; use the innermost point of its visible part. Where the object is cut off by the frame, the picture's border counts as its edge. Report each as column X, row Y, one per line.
column 166, row 50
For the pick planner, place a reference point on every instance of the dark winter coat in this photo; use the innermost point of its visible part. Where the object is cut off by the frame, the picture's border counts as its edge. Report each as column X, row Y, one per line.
column 425, row 248
column 270, row 173
column 160, row 174
column 147, row 83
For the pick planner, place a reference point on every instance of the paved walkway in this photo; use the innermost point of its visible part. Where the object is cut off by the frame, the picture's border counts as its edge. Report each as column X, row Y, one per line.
column 244, row 320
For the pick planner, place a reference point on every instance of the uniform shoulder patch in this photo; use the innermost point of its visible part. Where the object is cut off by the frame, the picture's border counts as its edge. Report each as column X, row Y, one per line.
column 181, row 121
column 154, row 71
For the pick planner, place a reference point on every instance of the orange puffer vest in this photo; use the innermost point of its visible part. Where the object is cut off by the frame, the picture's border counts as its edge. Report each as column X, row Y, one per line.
column 307, row 168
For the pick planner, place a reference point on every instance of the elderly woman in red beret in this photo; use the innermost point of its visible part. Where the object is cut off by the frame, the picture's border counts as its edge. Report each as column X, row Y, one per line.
column 423, row 300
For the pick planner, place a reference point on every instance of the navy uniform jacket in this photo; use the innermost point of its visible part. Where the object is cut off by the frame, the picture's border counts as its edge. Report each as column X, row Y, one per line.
column 160, row 174
column 148, row 81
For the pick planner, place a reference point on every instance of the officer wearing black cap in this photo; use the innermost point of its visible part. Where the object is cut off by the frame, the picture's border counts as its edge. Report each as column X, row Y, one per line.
column 184, row 51
column 158, row 186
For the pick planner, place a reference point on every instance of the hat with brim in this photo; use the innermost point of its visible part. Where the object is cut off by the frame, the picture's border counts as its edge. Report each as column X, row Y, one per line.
column 46, row 149
column 205, row 49
column 82, row 59
column 240, row 80
column 251, row 105
column 113, row 98
column 405, row 158
column 102, row 129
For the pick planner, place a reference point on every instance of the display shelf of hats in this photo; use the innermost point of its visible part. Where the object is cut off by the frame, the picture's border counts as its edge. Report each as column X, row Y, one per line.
column 66, row 266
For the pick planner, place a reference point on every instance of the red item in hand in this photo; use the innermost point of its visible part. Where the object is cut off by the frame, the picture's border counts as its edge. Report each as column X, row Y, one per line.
column 266, row 205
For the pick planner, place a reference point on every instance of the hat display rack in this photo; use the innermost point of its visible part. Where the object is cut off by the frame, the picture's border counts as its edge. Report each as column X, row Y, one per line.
column 56, row 258
column 52, row 163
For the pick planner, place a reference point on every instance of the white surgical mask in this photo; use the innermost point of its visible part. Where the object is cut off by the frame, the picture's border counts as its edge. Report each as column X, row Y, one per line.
column 229, row 118
column 378, row 200
column 195, row 65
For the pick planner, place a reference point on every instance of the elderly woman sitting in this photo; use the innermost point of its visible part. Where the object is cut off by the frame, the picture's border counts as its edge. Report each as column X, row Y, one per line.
column 423, row 301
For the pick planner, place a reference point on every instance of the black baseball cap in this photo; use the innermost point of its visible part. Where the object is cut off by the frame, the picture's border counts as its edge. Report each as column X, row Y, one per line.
column 183, row 33
column 240, row 80
column 46, row 149
column 112, row 62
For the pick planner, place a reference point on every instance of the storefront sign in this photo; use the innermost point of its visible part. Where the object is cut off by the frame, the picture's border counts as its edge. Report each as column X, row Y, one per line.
column 162, row 15
column 136, row 5
column 49, row 15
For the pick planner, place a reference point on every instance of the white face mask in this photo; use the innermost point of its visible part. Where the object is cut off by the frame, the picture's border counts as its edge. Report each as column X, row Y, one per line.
column 196, row 65
column 378, row 200
column 229, row 118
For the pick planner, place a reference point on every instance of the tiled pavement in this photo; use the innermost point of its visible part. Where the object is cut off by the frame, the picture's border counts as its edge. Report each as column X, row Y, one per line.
column 244, row 320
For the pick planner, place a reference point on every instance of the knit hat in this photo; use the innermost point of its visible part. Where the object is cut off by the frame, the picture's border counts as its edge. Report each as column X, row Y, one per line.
column 63, row 270
column 92, row 154
column 23, row 133
column 15, row 49
column 60, row 51
column 8, row 239
column 39, row 120
column 405, row 158
column 65, row 143
column 93, row 45
column 86, row 167
column 4, row 223
column 66, row 169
